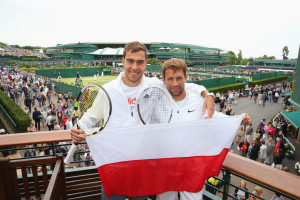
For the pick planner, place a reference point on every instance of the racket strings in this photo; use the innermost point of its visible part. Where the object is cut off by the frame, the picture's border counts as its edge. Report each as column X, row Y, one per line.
column 93, row 110
column 154, row 106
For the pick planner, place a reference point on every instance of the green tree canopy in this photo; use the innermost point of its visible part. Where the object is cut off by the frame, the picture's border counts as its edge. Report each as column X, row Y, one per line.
column 239, row 58
column 285, row 53
column 265, row 57
column 232, row 58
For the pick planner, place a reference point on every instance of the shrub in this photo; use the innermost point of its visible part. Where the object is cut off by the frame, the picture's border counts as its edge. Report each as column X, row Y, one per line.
column 267, row 81
column 21, row 119
column 225, row 88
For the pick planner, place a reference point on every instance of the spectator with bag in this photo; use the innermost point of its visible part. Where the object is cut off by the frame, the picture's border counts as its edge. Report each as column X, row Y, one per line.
column 37, row 116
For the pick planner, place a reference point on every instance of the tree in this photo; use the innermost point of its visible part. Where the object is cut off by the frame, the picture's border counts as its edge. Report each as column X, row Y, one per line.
column 153, row 61
column 15, row 46
column 265, row 57
column 251, row 61
column 239, row 58
column 2, row 44
column 245, row 61
column 285, row 53
column 232, row 57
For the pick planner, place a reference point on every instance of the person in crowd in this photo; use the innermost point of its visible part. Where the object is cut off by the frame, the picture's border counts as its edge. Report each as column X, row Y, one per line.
column 30, row 152
column 262, row 152
column 260, row 97
column 37, row 116
column 277, row 196
column 241, row 194
column 264, row 99
column 64, row 121
column 27, row 103
column 49, row 122
column 56, row 126
column 78, row 153
column 259, row 191
column 252, row 197
column 254, row 149
column 239, row 134
column 69, row 124
column 255, row 94
column 278, row 158
column 244, row 147
column 249, row 132
column 32, row 128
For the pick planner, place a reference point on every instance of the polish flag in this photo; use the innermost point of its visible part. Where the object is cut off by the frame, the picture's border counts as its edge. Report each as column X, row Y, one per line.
column 152, row 159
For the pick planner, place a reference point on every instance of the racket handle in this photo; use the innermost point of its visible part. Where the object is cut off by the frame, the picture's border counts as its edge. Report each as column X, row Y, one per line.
column 70, row 153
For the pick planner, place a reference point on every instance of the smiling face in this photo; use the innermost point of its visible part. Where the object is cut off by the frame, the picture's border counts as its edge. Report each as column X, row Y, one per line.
column 174, row 81
column 134, row 65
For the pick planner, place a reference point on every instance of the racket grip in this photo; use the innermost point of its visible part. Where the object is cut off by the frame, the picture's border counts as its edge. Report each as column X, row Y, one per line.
column 70, row 154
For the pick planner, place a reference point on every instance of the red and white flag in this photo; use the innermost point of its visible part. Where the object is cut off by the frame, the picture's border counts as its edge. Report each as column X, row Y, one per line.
column 152, row 159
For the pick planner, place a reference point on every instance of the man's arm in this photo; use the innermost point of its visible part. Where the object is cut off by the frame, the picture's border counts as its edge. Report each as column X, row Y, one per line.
column 209, row 102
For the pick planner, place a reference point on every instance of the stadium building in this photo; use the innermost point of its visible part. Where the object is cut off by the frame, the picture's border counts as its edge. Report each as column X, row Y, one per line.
column 113, row 52
column 275, row 64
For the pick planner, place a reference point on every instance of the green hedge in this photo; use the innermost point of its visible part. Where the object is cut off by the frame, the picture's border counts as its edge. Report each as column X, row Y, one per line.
column 225, row 88
column 21, row 119
column 267, row 81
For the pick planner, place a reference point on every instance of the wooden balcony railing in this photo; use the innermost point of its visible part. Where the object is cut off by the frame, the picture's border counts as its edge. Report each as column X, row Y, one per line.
column 37, row 184
column 281, row 181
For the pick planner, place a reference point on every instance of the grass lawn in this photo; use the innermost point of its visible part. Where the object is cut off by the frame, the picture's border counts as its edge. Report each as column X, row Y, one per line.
column 101, row 80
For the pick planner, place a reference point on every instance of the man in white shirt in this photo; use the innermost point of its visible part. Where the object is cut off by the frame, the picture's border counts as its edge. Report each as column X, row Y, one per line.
column 189, row 107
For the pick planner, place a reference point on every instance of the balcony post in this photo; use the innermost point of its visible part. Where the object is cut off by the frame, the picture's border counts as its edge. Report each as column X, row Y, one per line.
column 226, row 177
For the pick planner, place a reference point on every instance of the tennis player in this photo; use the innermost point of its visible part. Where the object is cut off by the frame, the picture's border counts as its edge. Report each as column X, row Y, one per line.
column 189, row 107
column 123, row 92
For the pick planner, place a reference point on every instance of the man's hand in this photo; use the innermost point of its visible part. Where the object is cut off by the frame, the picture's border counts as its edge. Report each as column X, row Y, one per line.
column 77, row 135
column 246, row 119
column 209, row 104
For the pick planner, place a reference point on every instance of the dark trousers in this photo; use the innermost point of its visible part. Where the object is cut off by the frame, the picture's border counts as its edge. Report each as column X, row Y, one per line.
column 38, row 124
column 29, row 107
column 50, row 127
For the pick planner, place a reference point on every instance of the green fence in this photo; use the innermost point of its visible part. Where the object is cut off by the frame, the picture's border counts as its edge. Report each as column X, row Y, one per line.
column 153, row 68
column 71, row 72
column 217, row 82
column 206, row 66
column 63, row 87
column 259, row 76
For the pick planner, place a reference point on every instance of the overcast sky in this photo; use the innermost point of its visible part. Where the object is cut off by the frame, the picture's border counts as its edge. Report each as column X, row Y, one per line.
column 256, row 27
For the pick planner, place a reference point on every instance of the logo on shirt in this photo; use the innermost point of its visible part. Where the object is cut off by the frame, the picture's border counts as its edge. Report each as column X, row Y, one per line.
column 131, row 101
column 189, row 111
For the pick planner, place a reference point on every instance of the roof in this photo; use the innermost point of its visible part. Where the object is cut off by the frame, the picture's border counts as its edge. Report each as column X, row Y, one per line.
column 286, row 94
column 109, row 51
column 292, row 117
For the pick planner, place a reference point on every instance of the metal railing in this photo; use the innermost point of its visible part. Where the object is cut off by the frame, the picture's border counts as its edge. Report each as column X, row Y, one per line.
column 12, row 125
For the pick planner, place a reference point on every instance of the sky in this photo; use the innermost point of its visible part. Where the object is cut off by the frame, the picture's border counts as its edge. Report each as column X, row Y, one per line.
column 256, row 27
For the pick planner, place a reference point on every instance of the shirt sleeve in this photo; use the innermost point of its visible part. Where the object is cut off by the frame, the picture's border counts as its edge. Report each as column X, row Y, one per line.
column 190, row 87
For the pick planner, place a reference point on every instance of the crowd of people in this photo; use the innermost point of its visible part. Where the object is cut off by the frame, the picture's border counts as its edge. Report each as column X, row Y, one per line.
column 34, row 94
column 245, row 72
column 269, row 93
column 267, row 143
column 11, row 51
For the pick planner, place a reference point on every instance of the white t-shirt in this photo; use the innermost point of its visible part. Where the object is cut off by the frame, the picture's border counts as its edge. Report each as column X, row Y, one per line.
column 131, row 94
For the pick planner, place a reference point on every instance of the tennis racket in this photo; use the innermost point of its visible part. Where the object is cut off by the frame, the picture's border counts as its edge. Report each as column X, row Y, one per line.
column 93, row 112
column 155, row 105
